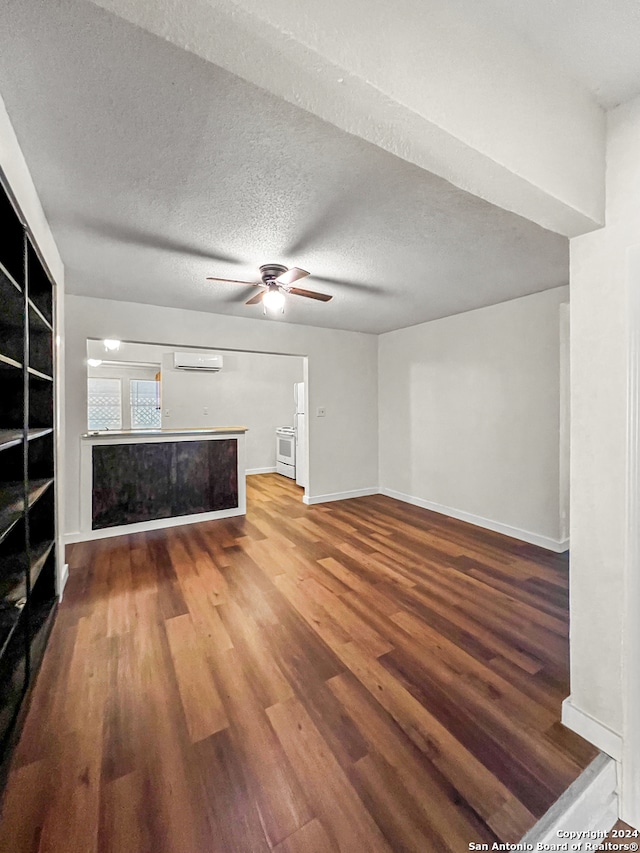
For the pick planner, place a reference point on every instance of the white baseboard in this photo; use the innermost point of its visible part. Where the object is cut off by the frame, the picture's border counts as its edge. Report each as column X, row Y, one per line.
column 62, row 580
column 155, row 524
column 589, row 806
column 250, row 471
column 340, row 496
column 556, row 545
column 592, row 730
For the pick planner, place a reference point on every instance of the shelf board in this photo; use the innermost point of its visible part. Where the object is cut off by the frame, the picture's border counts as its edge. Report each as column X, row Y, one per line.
column 6, row 362
column 40, row 624
column 34, row 372
column 38, row 432
column 13, row 579
column 12, row 502
column 13, row 575
column 9, row 618
column 13, row 437
column 5, row 272
column 39, row 556
column 11, row 506
column 10, row 438
column 37, row 488
column 33, row 307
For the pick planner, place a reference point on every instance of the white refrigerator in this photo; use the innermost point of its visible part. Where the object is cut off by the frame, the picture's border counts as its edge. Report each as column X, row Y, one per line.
column 300, row 425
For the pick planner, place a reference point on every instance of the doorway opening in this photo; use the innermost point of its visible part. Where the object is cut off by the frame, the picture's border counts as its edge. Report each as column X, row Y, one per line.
column 148, row 386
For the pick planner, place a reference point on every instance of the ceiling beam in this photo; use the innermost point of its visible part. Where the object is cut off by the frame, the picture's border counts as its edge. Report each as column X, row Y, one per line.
column 426, row 81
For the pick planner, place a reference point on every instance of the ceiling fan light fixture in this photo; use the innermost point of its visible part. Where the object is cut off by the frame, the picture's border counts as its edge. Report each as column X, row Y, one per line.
column 273, row 300
column 276, row 282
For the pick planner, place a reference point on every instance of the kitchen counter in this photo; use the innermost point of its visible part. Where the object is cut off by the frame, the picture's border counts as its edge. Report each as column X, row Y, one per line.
column 137, row 480
column 146, row 432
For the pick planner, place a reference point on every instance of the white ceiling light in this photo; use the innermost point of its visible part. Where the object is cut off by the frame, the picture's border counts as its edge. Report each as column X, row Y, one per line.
column 94, row 362
column 111, row 345
column 274, row 299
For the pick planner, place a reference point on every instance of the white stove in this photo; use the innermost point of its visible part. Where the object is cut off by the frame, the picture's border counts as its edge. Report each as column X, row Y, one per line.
column 286, row 451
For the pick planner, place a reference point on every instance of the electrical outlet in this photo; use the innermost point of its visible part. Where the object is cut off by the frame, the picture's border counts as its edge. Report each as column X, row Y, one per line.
column 205, row 410
column 321, row 411
column 166, row 413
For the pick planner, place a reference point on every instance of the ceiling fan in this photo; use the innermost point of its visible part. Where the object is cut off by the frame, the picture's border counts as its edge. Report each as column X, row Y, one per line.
column 276, row 281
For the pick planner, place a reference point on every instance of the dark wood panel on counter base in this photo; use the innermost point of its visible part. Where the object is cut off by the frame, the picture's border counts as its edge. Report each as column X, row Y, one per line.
column 140, row 482
column 356, row 676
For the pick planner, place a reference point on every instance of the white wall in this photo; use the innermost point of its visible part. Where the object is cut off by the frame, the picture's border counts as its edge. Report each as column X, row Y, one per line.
column 601, row 570
column 599, row 428
column 138, row 353
column 253, row 390
column 470, row 414
column 342, row 377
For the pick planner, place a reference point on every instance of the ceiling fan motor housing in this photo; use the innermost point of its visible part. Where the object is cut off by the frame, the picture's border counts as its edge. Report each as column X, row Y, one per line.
column 269, row 272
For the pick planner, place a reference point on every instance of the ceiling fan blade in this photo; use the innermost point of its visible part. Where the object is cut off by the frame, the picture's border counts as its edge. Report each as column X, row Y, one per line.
column 255, row 299
column 310, row 294
column 234, row 281
column 294, row 274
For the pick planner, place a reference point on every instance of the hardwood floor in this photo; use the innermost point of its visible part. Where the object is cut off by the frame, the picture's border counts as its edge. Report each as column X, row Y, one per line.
column 356, row 676
column 621, row 833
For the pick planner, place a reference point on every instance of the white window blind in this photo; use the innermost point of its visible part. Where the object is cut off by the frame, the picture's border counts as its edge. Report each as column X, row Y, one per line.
column 104, row 407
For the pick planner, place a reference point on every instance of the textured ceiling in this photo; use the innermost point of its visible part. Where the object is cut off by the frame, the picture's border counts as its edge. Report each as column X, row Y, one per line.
column 597, row 42
column 157, row 169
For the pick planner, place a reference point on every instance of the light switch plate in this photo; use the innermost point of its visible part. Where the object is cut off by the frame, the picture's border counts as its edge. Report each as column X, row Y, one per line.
column 321, row 412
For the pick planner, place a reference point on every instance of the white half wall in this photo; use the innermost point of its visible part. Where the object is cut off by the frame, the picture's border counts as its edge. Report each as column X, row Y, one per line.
column 253, row 390
column 469, row 410
column 341, row 375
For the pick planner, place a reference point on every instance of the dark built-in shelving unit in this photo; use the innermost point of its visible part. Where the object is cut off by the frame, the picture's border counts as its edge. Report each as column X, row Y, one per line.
column 27, row 470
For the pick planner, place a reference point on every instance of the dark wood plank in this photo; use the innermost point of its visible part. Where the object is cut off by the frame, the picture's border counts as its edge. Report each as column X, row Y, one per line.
column 311, row 838
column 232, row 812
column 334, row 799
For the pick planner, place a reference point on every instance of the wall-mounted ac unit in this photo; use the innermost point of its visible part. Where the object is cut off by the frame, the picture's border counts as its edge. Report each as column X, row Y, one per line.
column 197, row 361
